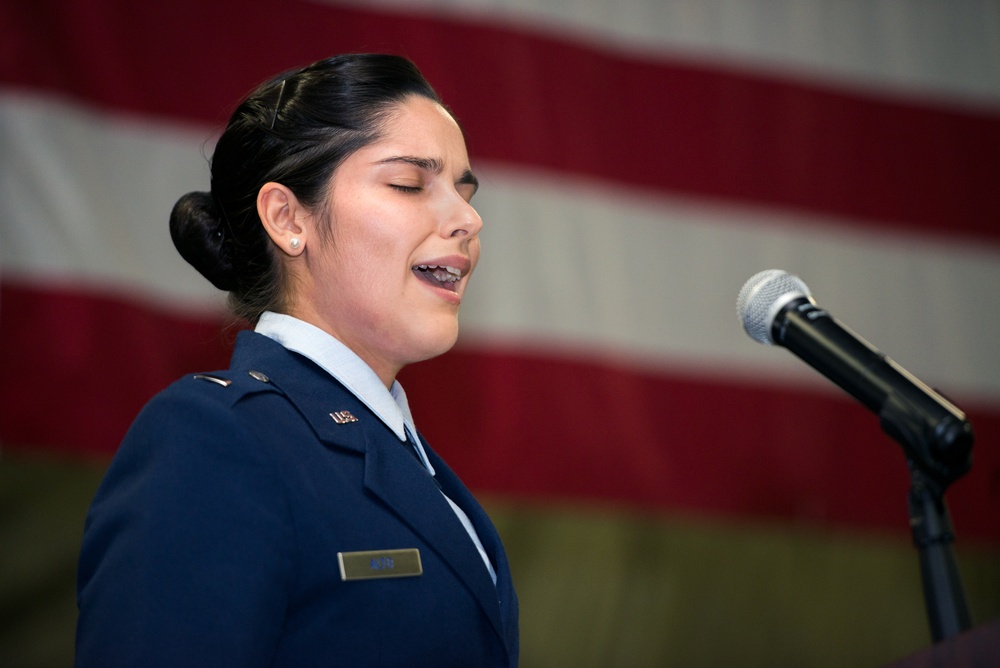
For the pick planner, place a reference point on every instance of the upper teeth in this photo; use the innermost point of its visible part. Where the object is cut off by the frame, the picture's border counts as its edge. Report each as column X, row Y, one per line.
column 451, row 276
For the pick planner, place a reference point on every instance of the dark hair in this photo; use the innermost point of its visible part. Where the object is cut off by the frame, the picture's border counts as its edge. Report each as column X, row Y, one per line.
column 295, row 130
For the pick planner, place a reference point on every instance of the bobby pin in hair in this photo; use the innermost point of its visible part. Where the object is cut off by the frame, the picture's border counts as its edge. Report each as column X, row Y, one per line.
column 277, row 104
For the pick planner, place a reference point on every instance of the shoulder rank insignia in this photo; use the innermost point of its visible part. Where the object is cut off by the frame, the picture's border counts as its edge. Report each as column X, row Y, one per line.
column 224, row 382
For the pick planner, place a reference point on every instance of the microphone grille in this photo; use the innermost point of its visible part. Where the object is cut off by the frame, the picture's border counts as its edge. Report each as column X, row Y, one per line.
column 762, row 296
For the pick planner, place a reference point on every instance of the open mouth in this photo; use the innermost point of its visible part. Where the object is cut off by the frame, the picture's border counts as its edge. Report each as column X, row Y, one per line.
column 439, row 276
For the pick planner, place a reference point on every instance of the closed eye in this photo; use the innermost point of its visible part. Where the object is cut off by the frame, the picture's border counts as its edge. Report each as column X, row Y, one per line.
column 405, row 189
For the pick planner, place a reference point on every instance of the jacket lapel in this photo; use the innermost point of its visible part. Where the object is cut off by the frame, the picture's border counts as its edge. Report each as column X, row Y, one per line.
column 396, row 478
column 504, row 589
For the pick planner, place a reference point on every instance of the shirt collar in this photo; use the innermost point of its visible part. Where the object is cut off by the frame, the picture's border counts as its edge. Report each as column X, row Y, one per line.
column 343, row 364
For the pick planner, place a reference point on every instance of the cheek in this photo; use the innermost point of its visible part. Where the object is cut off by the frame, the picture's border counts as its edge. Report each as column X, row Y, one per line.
column 372, row 231
column 371, row 285
column 368, row 289
column 475, row 248
column 360, row 244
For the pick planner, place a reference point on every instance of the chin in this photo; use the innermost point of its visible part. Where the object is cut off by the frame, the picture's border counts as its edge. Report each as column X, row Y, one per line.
column 436, row 341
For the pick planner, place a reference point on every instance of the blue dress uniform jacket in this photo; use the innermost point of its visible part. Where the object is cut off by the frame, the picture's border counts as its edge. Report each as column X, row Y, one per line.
column 213, row 539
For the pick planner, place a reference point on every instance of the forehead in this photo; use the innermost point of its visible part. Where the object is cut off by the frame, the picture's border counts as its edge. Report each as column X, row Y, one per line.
column 420, row 123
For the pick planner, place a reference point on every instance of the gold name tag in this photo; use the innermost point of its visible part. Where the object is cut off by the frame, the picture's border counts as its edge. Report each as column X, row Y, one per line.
column 379, row 564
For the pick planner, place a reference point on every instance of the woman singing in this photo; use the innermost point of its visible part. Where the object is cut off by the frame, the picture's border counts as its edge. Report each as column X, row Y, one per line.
column 286, row 511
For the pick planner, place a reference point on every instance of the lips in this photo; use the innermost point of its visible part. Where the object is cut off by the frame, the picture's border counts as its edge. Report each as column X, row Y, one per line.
column 440, row 276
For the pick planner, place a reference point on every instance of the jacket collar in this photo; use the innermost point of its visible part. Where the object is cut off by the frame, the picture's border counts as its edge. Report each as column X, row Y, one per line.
column 343, row 364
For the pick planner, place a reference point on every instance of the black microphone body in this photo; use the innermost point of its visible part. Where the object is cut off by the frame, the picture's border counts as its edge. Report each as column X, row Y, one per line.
column 826, row 345
column 935, row 433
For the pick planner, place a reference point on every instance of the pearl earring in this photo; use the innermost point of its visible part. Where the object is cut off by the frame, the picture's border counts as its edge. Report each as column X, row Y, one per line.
column 294, row 243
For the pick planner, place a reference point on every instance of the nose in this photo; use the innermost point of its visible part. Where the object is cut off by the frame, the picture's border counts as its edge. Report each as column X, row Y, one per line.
column 463, row 220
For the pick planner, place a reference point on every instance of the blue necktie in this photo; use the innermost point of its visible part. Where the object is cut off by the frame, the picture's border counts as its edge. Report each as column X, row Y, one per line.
column 411, row 446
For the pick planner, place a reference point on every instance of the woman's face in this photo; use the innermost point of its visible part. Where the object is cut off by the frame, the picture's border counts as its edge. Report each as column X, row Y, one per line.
column 389, row 278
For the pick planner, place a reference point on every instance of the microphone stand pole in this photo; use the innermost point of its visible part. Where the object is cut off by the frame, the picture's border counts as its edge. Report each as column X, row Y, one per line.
column 944, row 597
column 937, row 456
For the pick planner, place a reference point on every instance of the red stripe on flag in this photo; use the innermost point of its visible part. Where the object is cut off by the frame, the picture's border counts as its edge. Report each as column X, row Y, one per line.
column 76, row 368
column 562, row 428
column 533, row 99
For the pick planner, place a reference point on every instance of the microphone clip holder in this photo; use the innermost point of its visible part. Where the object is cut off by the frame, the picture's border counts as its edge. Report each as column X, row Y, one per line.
column 940, row 448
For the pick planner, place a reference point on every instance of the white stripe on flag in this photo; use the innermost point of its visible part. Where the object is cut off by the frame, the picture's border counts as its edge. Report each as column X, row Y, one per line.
column 656, row 278
column 89, row 196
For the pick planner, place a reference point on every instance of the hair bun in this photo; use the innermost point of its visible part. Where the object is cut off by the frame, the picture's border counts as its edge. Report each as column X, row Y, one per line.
column 199, row 235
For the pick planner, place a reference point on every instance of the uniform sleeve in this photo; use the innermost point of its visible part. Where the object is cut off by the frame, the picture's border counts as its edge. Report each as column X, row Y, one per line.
column 186, row 555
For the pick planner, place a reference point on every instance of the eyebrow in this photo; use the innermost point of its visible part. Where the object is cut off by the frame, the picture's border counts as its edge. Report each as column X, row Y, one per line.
column 433, row 165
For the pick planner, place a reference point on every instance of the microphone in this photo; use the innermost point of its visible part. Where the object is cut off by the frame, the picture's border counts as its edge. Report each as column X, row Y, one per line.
column 776, row 308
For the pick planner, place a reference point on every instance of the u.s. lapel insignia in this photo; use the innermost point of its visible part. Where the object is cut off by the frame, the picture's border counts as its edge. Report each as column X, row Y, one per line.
column 343, row 417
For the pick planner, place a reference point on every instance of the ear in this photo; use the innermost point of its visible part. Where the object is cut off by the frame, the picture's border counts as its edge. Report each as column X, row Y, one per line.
column 282, row 215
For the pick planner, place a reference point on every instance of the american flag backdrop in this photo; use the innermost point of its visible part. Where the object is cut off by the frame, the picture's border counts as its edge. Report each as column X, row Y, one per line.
column 670, row 492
